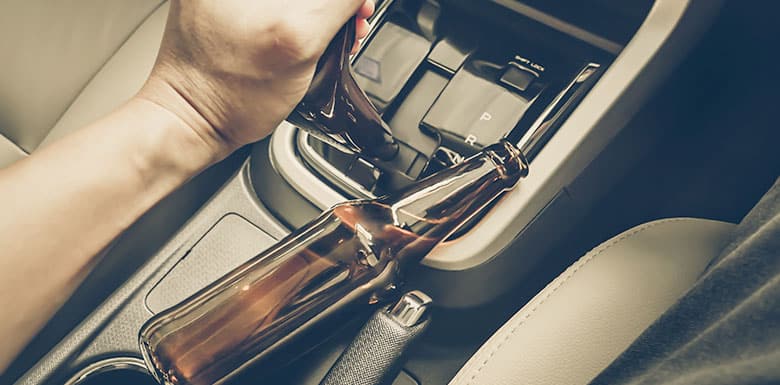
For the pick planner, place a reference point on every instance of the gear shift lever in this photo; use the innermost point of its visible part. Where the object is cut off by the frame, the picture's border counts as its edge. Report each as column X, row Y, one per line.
column 336, row 110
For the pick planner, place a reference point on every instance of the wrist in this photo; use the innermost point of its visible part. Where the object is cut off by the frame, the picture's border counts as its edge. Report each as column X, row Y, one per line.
column 191, row 123
column 167, row 144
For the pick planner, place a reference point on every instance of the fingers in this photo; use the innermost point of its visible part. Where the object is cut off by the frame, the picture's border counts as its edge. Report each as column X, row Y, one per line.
column 335, row 13
column 331, row 15
column 362, row 31
column 366, row 10
column 362, row 25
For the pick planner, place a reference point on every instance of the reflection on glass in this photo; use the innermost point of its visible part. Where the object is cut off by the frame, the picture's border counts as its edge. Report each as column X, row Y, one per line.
column 347, row 254
column 336, row 110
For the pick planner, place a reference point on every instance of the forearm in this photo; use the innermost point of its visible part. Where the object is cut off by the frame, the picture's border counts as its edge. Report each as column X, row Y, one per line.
column 217, row 84
column 67, row 202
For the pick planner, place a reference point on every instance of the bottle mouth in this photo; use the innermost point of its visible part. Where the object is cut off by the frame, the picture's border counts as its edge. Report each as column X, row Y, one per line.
column 509, row 161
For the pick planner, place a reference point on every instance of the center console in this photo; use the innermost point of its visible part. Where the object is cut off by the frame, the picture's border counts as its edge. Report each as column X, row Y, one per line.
column 559, row 79
column 448, row 83
column 453, row 76
column 449, row 80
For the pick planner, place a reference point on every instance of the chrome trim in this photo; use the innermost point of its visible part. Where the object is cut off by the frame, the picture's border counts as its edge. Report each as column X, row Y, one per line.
column 108, row 365
column 411, row 308
column 553, row 116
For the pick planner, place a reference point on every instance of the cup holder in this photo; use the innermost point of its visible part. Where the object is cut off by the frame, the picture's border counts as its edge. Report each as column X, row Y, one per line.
column 114, row 371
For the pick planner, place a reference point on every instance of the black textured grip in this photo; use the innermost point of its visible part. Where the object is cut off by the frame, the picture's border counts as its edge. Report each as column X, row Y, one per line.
column 374, row 357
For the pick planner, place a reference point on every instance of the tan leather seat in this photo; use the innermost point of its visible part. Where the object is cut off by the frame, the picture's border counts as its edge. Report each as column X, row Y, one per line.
column 587, row 316
column 65, row 63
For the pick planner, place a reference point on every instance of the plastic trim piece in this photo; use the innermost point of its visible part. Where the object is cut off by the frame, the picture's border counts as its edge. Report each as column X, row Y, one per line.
column 285, row 160
column 669, row 30
column 337, row 177
column 562, row 26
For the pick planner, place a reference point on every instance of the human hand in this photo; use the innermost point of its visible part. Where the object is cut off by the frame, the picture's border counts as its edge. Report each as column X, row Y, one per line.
column 233, row 70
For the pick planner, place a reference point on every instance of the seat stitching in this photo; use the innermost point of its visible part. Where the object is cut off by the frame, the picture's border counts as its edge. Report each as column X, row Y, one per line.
column 587, row 258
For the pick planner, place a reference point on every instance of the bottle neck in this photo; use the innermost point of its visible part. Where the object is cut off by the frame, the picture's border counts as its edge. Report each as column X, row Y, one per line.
column 437, row 206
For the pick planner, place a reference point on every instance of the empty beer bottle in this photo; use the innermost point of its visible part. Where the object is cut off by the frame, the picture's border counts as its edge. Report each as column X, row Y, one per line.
column 345, row 256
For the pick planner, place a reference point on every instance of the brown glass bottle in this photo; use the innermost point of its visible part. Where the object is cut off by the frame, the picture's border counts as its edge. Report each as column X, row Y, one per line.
column 336, row 110
column 343, row 257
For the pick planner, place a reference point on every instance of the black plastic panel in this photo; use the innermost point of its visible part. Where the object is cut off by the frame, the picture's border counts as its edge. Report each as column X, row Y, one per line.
column 451, row 79
column 215, row 255
column 389, row 62
column 616, row 20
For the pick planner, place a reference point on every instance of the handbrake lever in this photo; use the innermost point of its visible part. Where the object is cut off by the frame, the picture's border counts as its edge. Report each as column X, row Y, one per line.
column 335, row 108
column 376, row 355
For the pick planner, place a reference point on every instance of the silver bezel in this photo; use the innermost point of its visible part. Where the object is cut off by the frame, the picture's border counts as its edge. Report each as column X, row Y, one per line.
column 108, row 365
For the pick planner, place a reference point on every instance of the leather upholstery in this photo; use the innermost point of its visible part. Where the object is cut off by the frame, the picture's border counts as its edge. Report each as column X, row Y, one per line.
column 119, row 79
column 9, row 152
column 587, row 316
column 51, row 51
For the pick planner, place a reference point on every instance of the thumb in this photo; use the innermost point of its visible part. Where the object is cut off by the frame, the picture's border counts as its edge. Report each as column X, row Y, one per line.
column 333, row 14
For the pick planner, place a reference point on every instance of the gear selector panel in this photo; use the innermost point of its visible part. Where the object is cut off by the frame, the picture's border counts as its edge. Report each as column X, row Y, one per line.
column 449, row 81
column 475, row 111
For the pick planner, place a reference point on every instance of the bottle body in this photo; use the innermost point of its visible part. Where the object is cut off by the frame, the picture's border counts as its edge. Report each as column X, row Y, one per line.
column 347, row 254
column 266, row 299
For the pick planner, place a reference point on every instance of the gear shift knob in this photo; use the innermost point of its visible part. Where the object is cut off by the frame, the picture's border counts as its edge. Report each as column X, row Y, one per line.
column 337, row 110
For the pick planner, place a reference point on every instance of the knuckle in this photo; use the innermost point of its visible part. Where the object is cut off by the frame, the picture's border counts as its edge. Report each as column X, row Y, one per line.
column 292, row 42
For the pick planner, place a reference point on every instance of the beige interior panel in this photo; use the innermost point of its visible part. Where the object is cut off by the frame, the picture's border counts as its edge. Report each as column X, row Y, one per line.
column 587, row 316
column 50, row 51
column 9, row 152
column 121, row 77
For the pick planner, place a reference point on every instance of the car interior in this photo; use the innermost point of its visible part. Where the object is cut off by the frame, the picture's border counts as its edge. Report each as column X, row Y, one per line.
column 651, row 131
